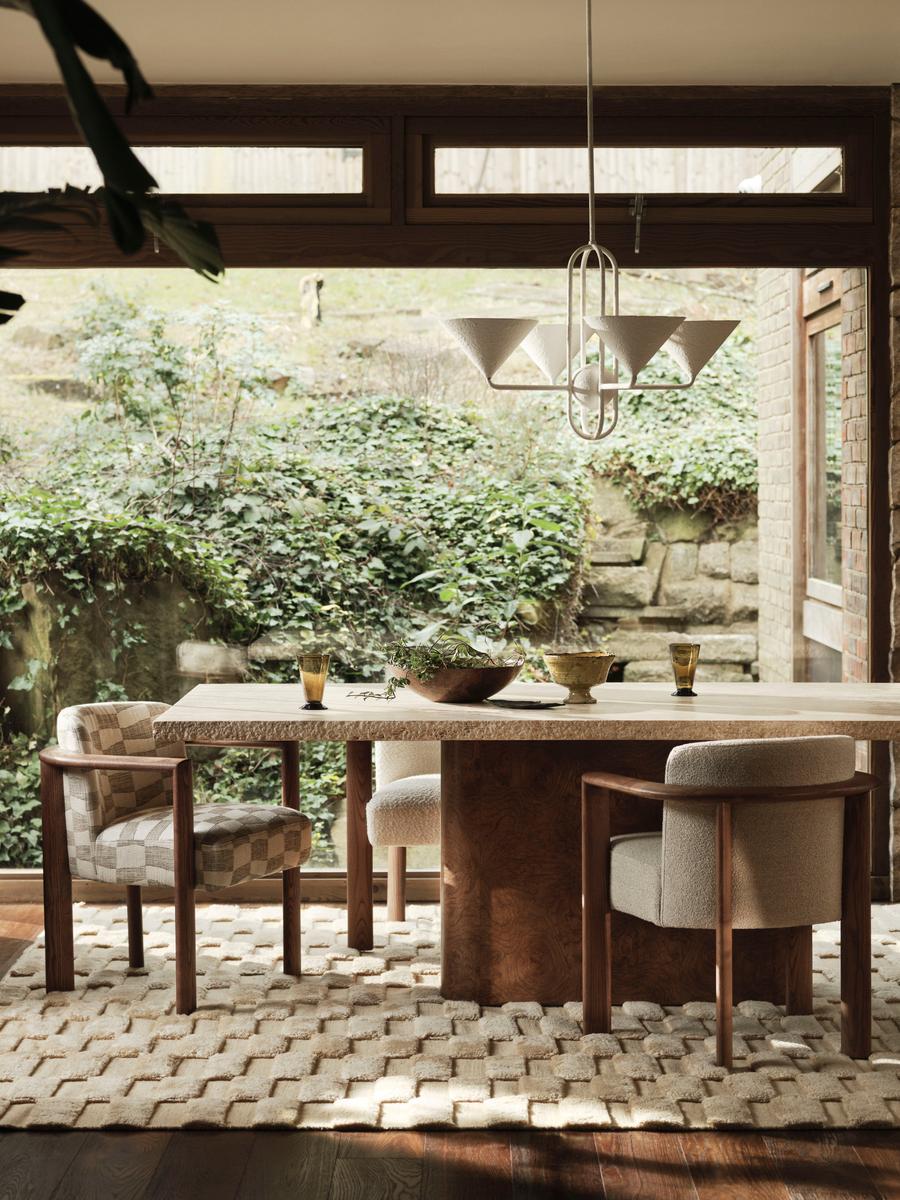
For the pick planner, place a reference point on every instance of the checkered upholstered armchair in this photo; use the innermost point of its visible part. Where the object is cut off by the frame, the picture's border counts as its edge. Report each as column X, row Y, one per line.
column 118, row 808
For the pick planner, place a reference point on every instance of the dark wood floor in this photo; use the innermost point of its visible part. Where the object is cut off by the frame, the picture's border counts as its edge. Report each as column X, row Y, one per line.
column 244, row 1165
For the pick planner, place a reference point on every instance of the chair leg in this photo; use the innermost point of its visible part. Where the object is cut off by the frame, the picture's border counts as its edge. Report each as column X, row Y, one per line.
column 799, row 970
column 396, row 883
column 596, row 964
column 290, row 893
column 856, row 930
column 185, row 927
column 59, row 952
column 135, row 926
column 724, row 984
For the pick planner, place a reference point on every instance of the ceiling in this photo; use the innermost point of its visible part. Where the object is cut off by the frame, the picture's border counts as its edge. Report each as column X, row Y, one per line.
column 487, row 41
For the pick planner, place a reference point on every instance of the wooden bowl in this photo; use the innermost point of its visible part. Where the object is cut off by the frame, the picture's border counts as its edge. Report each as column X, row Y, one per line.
column 460, row 685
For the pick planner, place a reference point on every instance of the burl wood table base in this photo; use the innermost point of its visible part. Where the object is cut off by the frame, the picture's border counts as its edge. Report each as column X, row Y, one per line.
column 511, row 885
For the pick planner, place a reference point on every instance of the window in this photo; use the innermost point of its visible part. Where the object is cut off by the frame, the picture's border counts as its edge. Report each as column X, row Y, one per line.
column 551, row 170
column 825, row 451
column 196, row 170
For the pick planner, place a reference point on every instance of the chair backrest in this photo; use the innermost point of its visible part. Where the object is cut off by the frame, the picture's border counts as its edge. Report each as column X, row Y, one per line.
column 787, row 855
column 399, row 760
column 94, row 798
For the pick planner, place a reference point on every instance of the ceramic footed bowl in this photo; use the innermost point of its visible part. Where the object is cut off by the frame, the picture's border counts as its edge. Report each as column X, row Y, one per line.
column 460, row 685
column 579, row 672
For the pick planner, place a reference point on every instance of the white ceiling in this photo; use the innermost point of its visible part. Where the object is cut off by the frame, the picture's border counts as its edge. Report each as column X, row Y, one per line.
column 488, row 41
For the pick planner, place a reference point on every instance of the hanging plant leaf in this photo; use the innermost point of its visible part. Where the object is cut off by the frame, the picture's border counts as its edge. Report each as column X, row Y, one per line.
column 128, row 196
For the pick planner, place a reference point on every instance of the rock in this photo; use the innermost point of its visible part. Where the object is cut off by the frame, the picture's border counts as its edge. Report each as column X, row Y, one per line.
column 629, row 587
column 744, row 601
column 721, row 673
column 745, row 562
column 614, row 511
column 681, row 561
column 727, row 647
column 661, row 671
column 305, row 377
column 621, row 550
column 36, row 338
column 209, row 659
column 675, row 525
column 651, row 614
column 706, row 600
column 648, row 672
column 715, row 559
column 636, row 644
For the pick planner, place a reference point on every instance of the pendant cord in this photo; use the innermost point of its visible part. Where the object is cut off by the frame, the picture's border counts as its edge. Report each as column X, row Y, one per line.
column 592, row 220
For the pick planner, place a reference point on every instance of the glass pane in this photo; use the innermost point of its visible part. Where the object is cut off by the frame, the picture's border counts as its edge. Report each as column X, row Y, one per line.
column 524, row 170
column 825, row 457
column 204, row 170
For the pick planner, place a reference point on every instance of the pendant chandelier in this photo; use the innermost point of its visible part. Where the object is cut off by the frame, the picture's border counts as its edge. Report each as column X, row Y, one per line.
column 625, row 344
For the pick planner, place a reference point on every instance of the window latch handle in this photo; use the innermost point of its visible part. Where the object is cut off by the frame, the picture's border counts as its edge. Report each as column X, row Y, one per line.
column 637, row 211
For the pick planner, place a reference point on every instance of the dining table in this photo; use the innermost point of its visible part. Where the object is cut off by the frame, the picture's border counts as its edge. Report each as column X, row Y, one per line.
column 510, row 855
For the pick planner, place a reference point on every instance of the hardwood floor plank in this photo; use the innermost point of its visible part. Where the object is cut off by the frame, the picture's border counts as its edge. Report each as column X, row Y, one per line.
column 646, row 1165
column 820, row 1167
column 726, row 1166
column 32, row 1164
column 113, row 1166
column 467, row 1166
column 372, row 1178
column 878, row 1150
column 390, row 1144
column 201, row 1165
column 547, row 1165
column 289, row 1166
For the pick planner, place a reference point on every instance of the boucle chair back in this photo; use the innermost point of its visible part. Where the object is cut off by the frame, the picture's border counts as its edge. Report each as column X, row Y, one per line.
column 400, row 760
column 787, row 855
column 95, row 798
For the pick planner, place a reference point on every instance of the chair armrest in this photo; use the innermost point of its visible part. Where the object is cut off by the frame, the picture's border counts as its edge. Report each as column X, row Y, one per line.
column 860, row 784
column 71, row 760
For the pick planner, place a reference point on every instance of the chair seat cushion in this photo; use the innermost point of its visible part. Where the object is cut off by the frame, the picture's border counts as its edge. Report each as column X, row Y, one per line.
column 232, row 842
column 635, row 875
column 406, row 812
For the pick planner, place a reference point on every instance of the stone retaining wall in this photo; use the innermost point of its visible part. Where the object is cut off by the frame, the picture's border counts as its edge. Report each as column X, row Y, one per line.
column 674, row 574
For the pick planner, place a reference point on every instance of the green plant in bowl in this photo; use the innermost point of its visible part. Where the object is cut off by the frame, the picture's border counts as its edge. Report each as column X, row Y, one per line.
column 449, row 668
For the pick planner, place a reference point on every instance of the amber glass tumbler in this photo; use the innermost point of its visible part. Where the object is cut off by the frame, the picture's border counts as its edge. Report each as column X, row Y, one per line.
column 684, row 666
column 313, row 673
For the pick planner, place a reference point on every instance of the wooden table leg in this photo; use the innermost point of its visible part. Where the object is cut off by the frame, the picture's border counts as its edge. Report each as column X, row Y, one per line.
column 185, row 927
column 359, row 849
column 724, row 980
column 290, row 880
column 59, row 949
column 856, row 930
column 596, row 991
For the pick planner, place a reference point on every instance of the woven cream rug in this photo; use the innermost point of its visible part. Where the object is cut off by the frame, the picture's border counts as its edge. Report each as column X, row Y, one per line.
column 365, row 1040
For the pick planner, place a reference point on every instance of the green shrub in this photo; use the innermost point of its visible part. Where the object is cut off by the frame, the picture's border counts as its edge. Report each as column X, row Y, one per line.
column 693, row 449
column 20, row 816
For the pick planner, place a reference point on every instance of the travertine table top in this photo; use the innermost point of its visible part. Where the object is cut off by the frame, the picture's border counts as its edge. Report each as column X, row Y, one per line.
column 630, row 711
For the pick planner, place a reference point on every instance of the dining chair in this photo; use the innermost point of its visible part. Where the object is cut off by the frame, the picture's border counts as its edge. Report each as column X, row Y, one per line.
column 756, row 834
column 118, row 808
column 405, row 809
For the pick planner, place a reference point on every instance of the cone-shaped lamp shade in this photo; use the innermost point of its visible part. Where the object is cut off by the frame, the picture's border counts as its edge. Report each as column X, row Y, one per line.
column 489, row 341
column 546, row 347
column 694, row 343
column 634, row 340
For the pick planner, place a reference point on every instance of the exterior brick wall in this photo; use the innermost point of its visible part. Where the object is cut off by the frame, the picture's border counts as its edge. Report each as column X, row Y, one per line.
column 854, row 478
column 775, row 386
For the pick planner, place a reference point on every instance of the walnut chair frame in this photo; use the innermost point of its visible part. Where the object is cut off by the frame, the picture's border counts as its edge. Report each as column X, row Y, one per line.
column 60, row 951
column 599, row 790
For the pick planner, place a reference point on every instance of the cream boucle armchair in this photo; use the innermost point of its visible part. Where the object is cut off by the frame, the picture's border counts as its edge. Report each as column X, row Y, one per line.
column 756, row 834
column 405, row 809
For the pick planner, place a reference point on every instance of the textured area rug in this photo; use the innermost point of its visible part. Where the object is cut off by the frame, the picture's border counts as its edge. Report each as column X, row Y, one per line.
column 367, row 1041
